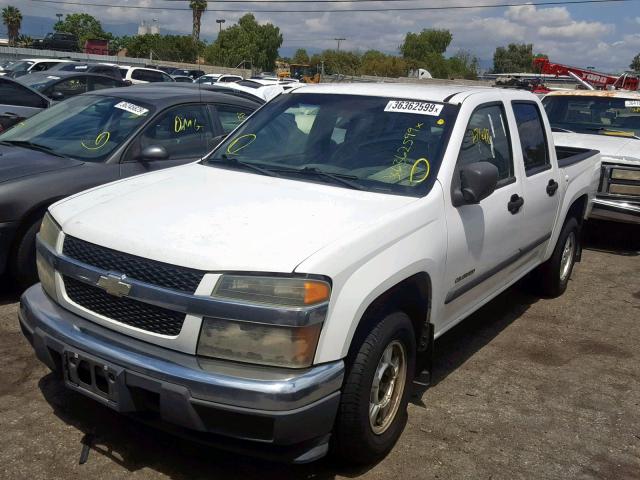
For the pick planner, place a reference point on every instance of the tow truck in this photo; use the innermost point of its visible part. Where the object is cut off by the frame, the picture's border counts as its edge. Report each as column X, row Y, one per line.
column 591, row 79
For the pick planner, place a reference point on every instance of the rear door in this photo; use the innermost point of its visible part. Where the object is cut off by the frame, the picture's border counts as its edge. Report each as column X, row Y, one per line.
column 184, row 131
column 541, row 182
column 484, row 240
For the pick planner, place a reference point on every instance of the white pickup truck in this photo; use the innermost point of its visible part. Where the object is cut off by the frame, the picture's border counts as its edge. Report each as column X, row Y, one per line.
column 281, row 294
column 608, row 121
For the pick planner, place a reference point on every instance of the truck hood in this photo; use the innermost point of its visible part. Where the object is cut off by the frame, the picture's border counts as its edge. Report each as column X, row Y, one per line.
column 620, row 149
column 215, row 219
column 16, row 162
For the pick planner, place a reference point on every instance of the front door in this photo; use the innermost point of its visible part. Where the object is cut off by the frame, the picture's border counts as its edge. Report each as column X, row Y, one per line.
column 483, row 239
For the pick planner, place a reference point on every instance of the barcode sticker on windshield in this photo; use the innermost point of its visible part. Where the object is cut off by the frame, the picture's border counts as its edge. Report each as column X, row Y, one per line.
column 632, row 103
column 131, row 108
column 408, row 106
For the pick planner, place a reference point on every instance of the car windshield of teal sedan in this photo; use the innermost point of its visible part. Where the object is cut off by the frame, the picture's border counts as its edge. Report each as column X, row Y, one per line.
column 379, row 144
column 87, row 127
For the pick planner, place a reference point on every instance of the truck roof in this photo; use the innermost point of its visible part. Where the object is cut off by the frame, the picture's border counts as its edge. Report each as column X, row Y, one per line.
column 434, row 93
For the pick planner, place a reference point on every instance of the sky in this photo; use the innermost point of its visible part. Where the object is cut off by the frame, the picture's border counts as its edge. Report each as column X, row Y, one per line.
column 605, row 35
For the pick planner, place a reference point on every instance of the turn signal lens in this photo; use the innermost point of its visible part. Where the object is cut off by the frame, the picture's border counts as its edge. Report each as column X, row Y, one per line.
column 280, row 291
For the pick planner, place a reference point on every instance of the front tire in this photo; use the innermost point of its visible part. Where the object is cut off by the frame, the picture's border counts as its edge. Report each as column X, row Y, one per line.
column 373, row 406
column 23, row 263
column 552, row 277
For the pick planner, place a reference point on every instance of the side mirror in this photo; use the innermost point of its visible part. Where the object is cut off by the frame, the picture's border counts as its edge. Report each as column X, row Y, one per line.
column 153, row 153
column 477, row 181
column 57, row 96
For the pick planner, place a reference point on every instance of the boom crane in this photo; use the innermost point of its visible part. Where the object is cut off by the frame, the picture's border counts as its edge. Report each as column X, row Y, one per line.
column 598, row 80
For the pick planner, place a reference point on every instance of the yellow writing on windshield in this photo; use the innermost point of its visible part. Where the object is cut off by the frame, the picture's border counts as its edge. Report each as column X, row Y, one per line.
column 100, row 141
column 241, row 116
column 481, row 135
column 421, row 163
column 241, row 142
column 181, row 124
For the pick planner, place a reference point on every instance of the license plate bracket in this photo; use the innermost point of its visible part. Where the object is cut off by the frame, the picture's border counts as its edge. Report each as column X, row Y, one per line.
column 94, row 377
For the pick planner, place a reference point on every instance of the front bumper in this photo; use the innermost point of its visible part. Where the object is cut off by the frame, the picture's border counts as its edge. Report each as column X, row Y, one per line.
column 277, row 413
column 616, row 210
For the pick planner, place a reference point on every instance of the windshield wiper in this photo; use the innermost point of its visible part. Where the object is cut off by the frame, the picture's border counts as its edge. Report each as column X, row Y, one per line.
column 235, row 162
column 32, row 146
column 343, row 179
column 622, row 133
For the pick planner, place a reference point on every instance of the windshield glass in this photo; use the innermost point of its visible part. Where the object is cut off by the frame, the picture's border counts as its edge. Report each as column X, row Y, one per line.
column 594, row 115
column 19, row 66
column 85, row 127
column 376, row 143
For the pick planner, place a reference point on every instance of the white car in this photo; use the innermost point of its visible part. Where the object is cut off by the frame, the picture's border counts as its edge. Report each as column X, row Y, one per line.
column 283, row 292
column 140, row 75
column 218, row 78
column 28, row 65
column 608, row 121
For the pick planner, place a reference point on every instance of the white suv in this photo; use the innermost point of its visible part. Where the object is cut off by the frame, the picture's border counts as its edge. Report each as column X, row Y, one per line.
column 139, row 75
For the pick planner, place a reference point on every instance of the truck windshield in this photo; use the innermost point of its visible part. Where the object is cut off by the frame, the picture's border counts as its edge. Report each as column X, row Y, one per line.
column 596, row 115
column 86, row 127
column 379, row 144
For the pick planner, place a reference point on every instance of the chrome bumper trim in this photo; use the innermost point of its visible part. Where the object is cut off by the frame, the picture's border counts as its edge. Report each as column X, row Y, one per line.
column 615, row 210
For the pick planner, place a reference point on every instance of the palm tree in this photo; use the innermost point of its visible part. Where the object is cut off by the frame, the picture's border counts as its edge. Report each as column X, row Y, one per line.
column 12, row 18
column 198, row 7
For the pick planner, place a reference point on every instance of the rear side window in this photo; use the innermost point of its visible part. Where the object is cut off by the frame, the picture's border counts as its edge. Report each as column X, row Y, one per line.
column 230, row 117
column 533, row 141
column 487, row 140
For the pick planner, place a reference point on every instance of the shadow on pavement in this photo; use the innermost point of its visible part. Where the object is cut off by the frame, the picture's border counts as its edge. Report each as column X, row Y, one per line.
column 134, row 445
column 612, row 237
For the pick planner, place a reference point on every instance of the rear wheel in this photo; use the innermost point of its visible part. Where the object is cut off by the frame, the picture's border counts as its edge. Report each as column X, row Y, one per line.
column 552, row 277
column 373, row 406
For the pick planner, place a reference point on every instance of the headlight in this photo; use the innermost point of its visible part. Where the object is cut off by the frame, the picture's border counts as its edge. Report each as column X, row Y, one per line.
column 49, row 232
column 263, row 344
column 620, row 174
column 281, row 291
column 267, row 343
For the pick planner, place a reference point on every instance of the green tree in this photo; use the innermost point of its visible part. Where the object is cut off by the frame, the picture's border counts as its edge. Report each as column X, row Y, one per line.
column 338, row 62
column 83, row 26
column 635, row 63
column 301, row 56
column 197, row 7
column 12, row 19
column 516, row 57
column 426, row 50
column 247, row 41
column 463, row 65
column 377, row 63
column 169, row 48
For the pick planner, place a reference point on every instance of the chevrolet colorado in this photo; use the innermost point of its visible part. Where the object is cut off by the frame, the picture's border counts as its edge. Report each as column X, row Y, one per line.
column 280, row 295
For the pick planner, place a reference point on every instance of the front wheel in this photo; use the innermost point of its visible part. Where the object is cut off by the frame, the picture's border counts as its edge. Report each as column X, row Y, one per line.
column 552, row 277
column 373, row 406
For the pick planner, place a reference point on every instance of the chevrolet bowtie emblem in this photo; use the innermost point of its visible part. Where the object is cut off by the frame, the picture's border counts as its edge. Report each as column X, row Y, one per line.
column 114, row 285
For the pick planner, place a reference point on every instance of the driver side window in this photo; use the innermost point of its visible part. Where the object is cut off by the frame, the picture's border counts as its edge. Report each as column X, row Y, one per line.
column 486, row 139
column 184, row 131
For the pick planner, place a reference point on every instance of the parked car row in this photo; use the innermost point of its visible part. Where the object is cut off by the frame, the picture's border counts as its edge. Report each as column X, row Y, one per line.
column 299, row 265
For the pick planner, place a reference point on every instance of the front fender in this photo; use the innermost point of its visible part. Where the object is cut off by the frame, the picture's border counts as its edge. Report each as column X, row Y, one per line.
column 373, row 260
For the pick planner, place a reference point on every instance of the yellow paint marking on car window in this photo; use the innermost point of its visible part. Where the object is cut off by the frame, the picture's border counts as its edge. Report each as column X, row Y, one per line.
column 417, row 163
column 232, row 150
column 100, row 141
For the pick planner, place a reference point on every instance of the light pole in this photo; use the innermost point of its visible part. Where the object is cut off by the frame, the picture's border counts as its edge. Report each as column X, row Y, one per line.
column 220, row 21
column 59, row 15
column 339, row 40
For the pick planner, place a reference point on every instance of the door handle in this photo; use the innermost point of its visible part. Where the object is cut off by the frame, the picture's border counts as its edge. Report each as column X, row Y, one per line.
column 515, row 203
column 552, row 186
